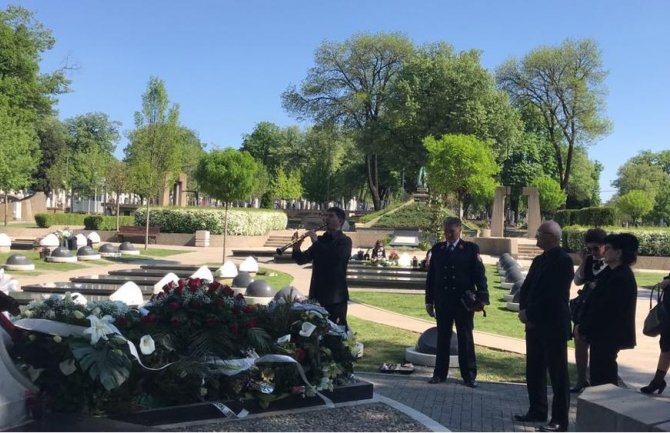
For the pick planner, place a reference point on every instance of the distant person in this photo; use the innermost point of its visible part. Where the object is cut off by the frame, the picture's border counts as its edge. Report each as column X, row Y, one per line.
column 378, row 252
column 543, row 309
column 590, row 268
column 657, row 384
column 454, row 269
column 608, row 322
column 329, row 254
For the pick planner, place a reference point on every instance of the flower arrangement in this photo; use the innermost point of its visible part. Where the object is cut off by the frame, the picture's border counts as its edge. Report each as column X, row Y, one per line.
column 194, row 341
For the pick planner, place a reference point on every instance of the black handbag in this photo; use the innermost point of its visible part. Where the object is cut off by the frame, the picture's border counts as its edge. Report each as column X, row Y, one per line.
column 658, row 318
column 577, row 304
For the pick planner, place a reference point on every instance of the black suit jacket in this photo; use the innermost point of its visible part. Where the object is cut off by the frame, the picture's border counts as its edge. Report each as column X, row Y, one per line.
column 609, row 312
column 330, row 256
column 450, row 274
column 545, row 293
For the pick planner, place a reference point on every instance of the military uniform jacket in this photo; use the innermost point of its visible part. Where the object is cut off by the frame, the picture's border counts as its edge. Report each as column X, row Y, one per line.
column 329, row 256
column 545, row 292
column 451, row 273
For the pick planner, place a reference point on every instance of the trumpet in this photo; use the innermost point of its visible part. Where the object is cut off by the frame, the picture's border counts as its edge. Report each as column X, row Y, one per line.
column 281, row 250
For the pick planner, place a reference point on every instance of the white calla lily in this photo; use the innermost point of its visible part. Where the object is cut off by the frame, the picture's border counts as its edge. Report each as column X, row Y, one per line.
column 285, row 339
column 147, row 345
column 67, row 367
column 100, row 328
column 307, row 329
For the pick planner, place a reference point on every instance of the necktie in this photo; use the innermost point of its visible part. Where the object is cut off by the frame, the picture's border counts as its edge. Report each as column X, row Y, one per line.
column 451, row 247
column 598, row 264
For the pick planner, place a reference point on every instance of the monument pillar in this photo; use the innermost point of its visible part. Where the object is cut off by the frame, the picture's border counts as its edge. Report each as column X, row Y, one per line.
column 498, row 214
column 534, row 216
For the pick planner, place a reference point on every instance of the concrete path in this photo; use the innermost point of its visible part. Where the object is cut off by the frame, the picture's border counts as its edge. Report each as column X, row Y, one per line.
column 487, row 408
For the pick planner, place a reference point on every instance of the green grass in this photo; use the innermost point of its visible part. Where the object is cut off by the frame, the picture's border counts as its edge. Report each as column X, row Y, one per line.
column 160, row 252
column 498, row 320
column 275, row 279
column 648, row 279
column 387, row 344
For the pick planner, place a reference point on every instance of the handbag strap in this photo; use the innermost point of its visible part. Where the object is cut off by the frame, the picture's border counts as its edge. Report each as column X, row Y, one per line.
column 659, row 294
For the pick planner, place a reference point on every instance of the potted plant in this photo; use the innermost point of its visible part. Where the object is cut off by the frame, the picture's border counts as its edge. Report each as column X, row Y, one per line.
column 485, row 229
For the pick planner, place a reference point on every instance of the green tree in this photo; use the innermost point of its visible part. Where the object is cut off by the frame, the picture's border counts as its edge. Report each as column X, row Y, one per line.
column 642, row 176
column 463, row 165
column 153, row 153
column 563, row 87
column 276, row 147
column 287, row 187
column 521, row 165
column 53, row 143
column 91, row 141
column 439, row 91
column 552, row 197
column 635, row 204
column 117, row 181
column 20, row 153
column 226, row 175
column 192, row 149
column 584, row 186
column 349, row 86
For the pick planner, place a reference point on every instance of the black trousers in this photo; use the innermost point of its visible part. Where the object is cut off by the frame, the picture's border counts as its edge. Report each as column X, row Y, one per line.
column 541, row 355
column 446, row 317
column 338, row 313
column 603, row 367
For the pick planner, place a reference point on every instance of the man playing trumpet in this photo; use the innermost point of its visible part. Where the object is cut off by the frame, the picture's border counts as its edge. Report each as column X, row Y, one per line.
column 329, row 254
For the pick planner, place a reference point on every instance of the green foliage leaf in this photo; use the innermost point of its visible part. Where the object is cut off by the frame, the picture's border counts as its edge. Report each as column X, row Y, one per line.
column 102, row 362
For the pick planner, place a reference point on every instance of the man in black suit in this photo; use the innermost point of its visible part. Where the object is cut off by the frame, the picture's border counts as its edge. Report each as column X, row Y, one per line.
column 330, row 255
column 455, row 267
column 543, row 308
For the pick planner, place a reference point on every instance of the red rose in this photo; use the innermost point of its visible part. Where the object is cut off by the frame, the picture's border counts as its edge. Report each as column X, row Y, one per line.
column 249, row 309
column 194, row 283
column 239, row 297
column 176, row 323
column 181, row 283
column 213, row 286
column 150, row 318
column 227, row 291
column 173, row 305
column 236, row 309
column 167, row 287
column 234, row 328
column 251, row 323
column 299, row 354
column 219, row 302
column 161, row 295
column 179, row 290
column 121, row 321
column 210, row 322
column 297, row 390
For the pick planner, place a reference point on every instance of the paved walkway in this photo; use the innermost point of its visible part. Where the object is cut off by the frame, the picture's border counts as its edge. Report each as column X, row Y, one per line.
column 487, row 408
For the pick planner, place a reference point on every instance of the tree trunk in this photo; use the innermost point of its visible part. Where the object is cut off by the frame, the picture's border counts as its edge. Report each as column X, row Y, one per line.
column 146, row 233
column 373, row 180
column 225, row 231
column 6, row 208
column 118, row 211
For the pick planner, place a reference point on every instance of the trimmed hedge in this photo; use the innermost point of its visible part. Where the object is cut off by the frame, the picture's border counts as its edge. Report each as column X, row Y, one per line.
column 652, row 242
column 100, row 222
column 46, row 220
column 244, row 222
column 588, row 216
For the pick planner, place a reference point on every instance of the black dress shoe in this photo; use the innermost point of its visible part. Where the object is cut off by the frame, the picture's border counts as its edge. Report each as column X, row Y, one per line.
column 530, row 418
column 552, row 426
column 436, row 379
column 579, row 387
column 470, row 383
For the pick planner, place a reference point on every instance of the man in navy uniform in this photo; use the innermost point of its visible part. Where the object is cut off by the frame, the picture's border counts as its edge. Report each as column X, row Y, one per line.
column 455, row 268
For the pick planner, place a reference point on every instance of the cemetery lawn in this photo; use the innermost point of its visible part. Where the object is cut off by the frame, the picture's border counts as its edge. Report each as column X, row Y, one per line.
column 648, row 279
column 40, row 265
column 387, row 344
column 498, row 320
column 275, row 279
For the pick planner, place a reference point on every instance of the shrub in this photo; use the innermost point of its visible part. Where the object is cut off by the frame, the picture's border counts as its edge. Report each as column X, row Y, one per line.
column 372, row 215
column 653, row 242
column 46, row 220
column 246, row 222
column 100, row 222
column 588, row 216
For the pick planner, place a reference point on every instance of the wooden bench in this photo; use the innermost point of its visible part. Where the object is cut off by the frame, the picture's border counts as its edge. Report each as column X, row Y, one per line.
column 135, row 232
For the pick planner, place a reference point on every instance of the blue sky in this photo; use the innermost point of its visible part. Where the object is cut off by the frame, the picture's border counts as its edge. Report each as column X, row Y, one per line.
column 227, row 62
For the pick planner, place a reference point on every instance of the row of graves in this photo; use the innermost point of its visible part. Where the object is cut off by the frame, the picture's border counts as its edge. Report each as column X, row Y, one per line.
column 166, row 344
column 512, row 276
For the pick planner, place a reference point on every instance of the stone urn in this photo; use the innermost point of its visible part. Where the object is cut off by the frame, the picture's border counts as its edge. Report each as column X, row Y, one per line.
column 484, row 233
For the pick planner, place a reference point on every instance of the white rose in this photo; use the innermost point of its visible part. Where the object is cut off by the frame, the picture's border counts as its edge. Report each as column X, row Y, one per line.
column 78, row 314
column 67, row 367
column 57, row 338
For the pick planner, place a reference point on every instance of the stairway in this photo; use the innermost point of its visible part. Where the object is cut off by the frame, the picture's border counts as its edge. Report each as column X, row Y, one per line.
column 528, row 251
column 277, row 241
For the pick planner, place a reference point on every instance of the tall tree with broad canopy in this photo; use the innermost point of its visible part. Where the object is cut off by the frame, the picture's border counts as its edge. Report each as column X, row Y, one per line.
column 439, row 91
column 153, row 153
column 349, row 86
column 463, row 165
column 564, row 85
column 20, row 153
column 117, row 181
column 226, row 175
